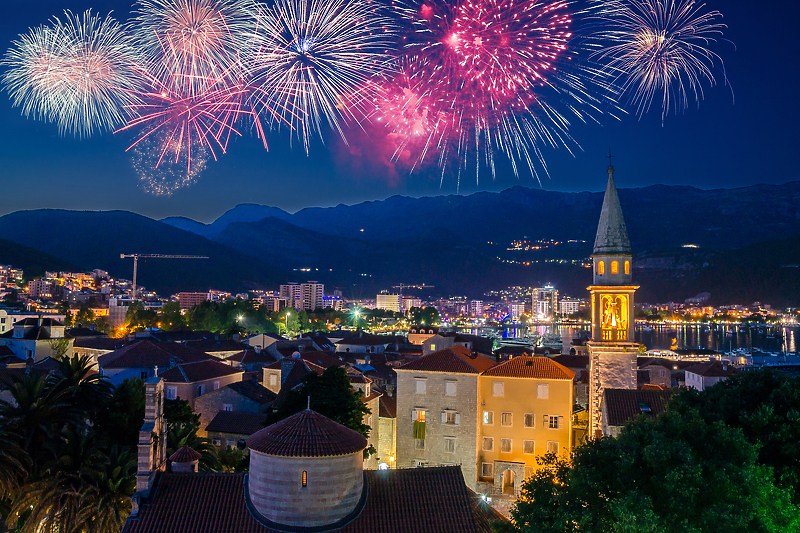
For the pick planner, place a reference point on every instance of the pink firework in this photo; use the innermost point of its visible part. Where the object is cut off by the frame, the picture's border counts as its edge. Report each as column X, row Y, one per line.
column 490, row 76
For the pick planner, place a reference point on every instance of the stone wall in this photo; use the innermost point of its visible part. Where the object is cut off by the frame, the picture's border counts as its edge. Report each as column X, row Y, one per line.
column 209, row 404
column 334, row 487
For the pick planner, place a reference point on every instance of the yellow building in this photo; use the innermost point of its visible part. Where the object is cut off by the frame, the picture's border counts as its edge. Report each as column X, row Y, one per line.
column 525, row 412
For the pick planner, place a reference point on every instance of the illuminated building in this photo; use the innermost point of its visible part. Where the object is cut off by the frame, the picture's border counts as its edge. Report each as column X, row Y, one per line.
column 612, row 352
column 545, row 301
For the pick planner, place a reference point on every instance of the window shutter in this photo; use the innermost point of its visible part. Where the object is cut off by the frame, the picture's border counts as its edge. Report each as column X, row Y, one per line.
column 458, row 419
column 414, row 415
column 560, row 422
column 444, row 417
column 545, row 422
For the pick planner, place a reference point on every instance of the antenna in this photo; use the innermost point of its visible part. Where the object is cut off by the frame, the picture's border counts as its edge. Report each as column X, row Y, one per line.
column 308, row 406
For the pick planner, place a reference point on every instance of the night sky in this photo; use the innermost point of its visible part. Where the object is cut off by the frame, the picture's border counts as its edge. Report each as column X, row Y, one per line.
column 725, row 143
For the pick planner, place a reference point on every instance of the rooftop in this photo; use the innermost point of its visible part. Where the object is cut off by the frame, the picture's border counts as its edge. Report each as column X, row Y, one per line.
column 623, row 405
column 415, row 500
column 307, row 434
column 612, row 234
column 198, row 371
column 526, row 366
column 456, row 359
column 237, row 423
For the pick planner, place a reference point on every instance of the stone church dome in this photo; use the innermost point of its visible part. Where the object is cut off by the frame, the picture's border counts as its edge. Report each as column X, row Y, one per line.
column 306, row 471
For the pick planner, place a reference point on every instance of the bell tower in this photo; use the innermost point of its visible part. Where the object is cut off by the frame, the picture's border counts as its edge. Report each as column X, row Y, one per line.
column 612, row 352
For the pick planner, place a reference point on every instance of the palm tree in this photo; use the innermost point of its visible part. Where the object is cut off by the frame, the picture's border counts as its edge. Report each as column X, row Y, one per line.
column 112, row 482
column 91, row 391
column 13, row 462
column 184, row 434
column 37, row 411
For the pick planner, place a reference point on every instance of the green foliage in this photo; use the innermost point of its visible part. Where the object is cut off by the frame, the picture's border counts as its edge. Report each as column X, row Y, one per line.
column 583, row 314
column 180, row 412
column 85, row 316
column 60, row 347
column 231, row 316
column 427, row 316
column 182, row 434
column 137, row 318
column 234, row 460
column 170, row 317
column 765, row 405
column 119, row 423
column 677, row 473
column 332, row 396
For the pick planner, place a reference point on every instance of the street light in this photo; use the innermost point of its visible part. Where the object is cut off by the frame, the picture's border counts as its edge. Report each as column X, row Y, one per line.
column 287, row 321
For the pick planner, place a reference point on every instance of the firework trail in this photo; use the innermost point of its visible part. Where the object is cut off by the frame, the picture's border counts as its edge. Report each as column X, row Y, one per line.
column 162, row 177
column 321, row 55
column 79, row 73
column 657, row 49
column 489, row 76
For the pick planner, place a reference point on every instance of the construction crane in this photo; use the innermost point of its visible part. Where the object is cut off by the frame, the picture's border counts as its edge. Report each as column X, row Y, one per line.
column 156, row 256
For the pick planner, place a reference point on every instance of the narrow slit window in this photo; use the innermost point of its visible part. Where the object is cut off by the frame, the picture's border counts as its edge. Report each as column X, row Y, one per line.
column 305, row 478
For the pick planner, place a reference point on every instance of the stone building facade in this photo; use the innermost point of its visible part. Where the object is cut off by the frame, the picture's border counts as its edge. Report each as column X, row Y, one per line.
column 437, row 410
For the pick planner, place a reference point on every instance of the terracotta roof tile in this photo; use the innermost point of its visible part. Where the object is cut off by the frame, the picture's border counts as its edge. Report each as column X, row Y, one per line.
column 237, row 423
column 456, row 359
column 253, row 391
column 198, row 371
column 307, row 434
column 416, row 500
column 526, row 366
column 623, row 405
column 713, row 369
column 388, row 406
column 185, row 454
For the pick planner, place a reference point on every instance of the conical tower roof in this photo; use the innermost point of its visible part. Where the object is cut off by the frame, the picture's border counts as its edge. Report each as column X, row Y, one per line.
column 612, row 235
column 307, row 434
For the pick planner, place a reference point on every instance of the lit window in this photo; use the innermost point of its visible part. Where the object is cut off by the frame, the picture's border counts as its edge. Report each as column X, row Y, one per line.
column 542, row 391
column 527, row 447
column 449, row 445
column 530, row 420
column 505, row 419
column 601, row 268
column 273, row 379
column 552, row 447
column 505, row 445
column 421, row 385
column 419, row 416
column 488, row 444
column 487, row 470
column 552, row 421
column 488, row 417
column 497, row 388
column 450, row 388
column 433, row 347
column 627, row 268
column 305, row 478
column 615, row 267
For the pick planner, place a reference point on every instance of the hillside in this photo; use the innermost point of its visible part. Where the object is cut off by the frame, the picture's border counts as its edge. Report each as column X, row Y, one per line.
column 95, row 239
column 33, row 262
column 657, row 217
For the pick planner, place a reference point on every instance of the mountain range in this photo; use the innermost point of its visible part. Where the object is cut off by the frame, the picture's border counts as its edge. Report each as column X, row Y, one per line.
column 746, row 243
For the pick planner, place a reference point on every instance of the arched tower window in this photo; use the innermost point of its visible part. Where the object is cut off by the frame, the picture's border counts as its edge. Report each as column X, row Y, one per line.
column 601, row 268
column 627, row 268
column 615, row 267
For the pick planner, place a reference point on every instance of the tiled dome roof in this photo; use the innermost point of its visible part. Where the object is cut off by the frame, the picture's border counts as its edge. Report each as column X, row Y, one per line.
column 185, row 454
column 307, row 434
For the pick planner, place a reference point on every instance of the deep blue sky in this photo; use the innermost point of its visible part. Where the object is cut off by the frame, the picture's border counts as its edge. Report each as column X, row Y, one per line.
column 723, row 144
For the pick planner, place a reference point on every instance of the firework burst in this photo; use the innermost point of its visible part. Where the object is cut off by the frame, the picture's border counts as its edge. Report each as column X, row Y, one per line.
column 658, row 50
column 79, row 73
column 320, row 56
column 487, row 77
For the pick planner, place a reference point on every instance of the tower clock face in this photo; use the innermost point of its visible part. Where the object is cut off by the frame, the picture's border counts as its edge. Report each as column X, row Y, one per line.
column 614, row 316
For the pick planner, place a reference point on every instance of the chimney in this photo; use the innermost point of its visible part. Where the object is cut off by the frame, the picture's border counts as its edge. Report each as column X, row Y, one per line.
column 29, row 364
column 390, row 389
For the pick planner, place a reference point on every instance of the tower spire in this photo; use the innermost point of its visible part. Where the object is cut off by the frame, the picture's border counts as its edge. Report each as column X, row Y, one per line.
column 612, row 234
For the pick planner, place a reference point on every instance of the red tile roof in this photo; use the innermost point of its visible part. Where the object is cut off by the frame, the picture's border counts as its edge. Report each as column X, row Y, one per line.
column 623, row 405
column 198, row 371
column 455, row 360
column 713, row 369
column 307, row 434
column 185, row 454
column 526, row 366
column 415, row 500
column 237, row 423
column 146, row 354
column 388, row 406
